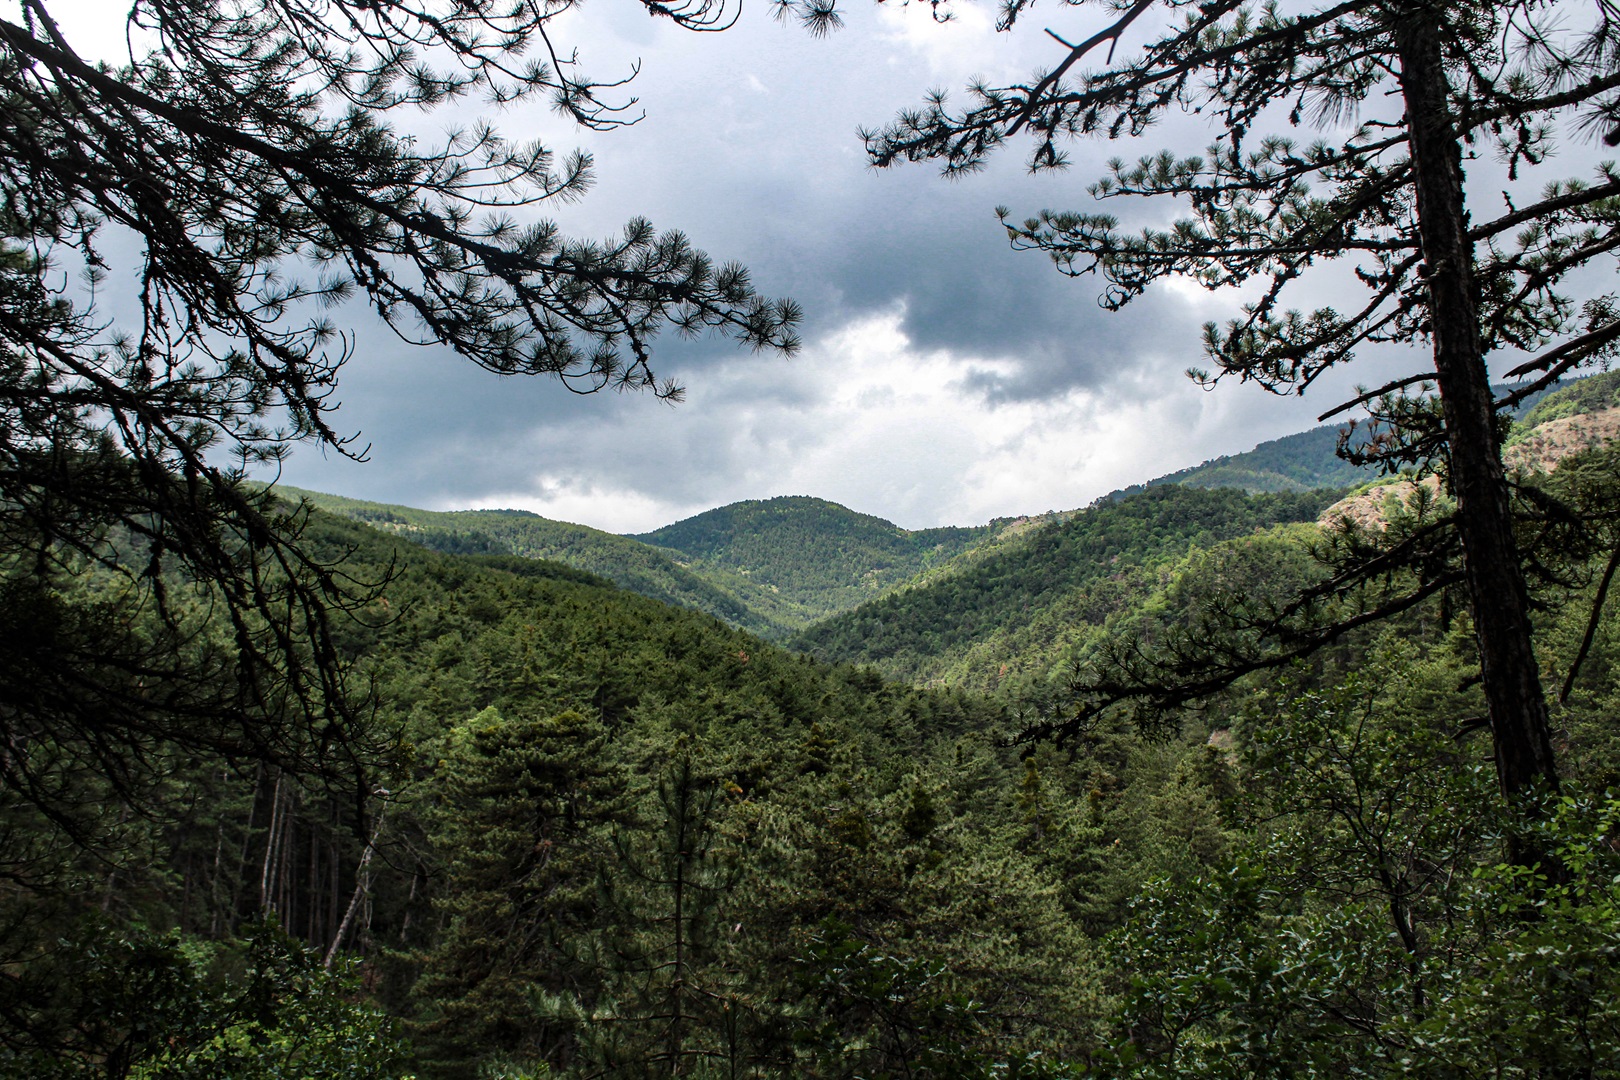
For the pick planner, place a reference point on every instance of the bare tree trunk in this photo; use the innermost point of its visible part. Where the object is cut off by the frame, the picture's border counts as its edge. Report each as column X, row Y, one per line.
column 216, row 902
column 362, row 882
column 1517, row 709
column 284, row 862
column 334, row 894
column 266, row 874
column 313, row 930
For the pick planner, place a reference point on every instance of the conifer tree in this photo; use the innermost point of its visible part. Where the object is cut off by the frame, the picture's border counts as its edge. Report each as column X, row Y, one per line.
column 247, row 150
column 522, row 822
column 1390, row 100
column 671, row 1002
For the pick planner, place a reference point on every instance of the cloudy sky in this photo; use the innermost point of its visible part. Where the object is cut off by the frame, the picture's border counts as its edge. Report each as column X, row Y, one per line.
column 945, row 379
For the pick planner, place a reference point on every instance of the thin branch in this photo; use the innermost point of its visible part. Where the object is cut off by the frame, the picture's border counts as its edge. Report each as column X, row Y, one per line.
column 1558, row 361
column 1369, row 395
column 1591, row 625
column 1111, row 35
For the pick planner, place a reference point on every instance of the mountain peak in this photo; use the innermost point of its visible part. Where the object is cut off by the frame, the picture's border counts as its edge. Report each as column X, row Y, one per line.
column 817, row 555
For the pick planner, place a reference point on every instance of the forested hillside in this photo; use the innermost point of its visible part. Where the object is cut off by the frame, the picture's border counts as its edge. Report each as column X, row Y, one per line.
column 1309, row 460
column 770, row 567
column 575, row 832
column 776, row 566
column 818, row 557
column 610, row 837
column 636, row 566
column 1302, row 462
column 604, row 833
column 1593, row 394
column 1022, row 605
column 1022, row 600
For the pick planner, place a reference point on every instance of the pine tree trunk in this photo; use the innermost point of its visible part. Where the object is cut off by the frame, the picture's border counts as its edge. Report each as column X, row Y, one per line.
column 362, row 883
column 267, row 881
column 1515, row 704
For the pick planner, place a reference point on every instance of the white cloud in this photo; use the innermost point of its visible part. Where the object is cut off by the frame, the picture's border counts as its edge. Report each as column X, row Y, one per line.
column 946, row 379
column 866, row 419
column 950, row 49
column 89, row 29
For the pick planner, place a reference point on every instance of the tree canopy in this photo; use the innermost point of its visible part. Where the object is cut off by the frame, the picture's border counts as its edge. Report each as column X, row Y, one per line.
column 1342, row 131
column 244, row 149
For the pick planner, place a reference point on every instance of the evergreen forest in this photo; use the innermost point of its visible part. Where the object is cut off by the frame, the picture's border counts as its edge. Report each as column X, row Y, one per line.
column 1302, row 763
column 610, row 836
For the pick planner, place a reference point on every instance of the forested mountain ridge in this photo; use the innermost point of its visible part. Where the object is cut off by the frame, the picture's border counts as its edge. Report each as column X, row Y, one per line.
column 1309, row 459
column 1081, row 562
column 1015, row 605
column 1591, row 394
column 640, row 567
column 771, row 567
column 1303, row 461
column 776, row 566
column 818, row 556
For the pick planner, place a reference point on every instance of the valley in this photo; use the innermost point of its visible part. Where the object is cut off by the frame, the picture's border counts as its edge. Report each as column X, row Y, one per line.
column 1302, row 762
column 776, row 773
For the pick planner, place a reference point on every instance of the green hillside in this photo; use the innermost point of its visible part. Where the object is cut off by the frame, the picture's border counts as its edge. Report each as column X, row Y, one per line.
column 1591, row 394
column 1011, row 606
column 776, row 567
column 818, row 557
column 771, row 567
column 560, row 813
column 1301, row 462
column 624, row 561
column 1079, row 567
column 1308, row 459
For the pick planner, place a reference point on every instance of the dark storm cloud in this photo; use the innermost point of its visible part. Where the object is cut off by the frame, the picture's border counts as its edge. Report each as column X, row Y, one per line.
column 749, row 147
column 945, row 378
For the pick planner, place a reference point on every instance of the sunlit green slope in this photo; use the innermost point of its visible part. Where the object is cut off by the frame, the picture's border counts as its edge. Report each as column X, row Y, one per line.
column 636, row 566
column 818, row 557
column 1021, row 603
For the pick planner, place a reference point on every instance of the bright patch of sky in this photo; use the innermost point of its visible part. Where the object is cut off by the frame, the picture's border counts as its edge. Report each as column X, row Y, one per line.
column 864, row 418
column 945, row 379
